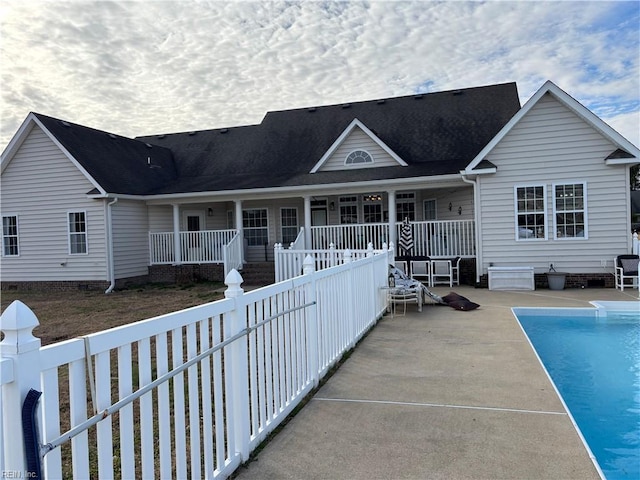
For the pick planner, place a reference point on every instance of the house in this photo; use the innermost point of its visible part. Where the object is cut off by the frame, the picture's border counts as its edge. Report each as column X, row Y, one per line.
column 479, row 176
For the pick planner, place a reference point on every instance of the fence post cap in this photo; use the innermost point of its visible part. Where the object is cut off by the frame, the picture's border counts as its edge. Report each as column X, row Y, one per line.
column 17, row 323
column 18, row 316
column 308, row 266
column 233, row 281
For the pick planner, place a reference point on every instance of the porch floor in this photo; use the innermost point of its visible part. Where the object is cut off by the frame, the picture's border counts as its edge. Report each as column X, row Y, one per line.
column 438, row 394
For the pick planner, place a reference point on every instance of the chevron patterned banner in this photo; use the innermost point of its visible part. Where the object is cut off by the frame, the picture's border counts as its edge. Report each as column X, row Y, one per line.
column 406, row 237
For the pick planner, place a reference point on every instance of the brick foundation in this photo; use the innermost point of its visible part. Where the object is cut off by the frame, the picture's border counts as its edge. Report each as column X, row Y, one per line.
column 186, row 273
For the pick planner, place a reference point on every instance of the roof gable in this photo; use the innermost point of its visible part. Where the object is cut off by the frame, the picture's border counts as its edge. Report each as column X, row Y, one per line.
column 629, row 152
column 21, row 135
column 356, row 125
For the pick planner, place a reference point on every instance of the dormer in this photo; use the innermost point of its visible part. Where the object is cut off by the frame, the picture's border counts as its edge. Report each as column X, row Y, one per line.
column 357, row 147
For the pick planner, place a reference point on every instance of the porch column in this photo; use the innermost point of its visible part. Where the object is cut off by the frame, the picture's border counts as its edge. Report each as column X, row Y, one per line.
column 176, row 235
column 307, row 223
column 392, row 217
column 238, row 205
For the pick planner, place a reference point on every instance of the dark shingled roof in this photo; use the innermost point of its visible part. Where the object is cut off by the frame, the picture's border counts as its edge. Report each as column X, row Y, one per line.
column 119, row 164
column 435, row 134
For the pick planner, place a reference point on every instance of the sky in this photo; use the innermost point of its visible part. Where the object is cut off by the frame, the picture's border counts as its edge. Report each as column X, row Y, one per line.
column 147, row 67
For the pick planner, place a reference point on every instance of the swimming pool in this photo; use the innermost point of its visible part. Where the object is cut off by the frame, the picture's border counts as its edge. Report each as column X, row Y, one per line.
column 592, row 355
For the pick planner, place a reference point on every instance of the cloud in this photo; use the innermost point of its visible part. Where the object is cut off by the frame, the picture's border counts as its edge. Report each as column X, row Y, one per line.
column 145, row 67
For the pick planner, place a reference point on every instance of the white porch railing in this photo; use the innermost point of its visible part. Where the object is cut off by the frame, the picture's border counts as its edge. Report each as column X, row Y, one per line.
column 205, row 246
column 232, row 254
column 289, row 261
column 635, row 242
column 195, row 391
column 451, row 238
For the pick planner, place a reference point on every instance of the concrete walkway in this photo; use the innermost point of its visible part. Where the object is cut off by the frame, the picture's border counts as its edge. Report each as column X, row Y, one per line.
column 440, row 394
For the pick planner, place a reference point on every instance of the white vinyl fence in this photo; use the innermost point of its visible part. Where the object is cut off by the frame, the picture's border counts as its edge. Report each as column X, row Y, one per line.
column 188, row 394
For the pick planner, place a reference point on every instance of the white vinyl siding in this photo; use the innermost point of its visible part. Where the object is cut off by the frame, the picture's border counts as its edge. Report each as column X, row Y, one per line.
column 551, row 145
column 358, row 140
column 41, row 185
column 130, row 238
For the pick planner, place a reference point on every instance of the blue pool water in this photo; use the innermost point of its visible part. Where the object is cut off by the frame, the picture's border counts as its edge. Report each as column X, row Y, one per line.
column 595, row 365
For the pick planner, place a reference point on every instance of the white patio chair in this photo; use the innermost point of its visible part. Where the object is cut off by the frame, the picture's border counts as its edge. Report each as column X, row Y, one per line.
column 402, row 265
column 626, row 269
column 441, row 272
column 421, row 271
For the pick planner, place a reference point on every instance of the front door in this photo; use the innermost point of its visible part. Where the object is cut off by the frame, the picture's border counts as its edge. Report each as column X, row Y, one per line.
column 193, row 222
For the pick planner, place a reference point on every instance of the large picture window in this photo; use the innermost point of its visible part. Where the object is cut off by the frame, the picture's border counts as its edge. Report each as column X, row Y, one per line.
column 530, row 212
column 255, row 225
column 10, row 236
column 289, row 224
column 77, row 233
column 570, row 208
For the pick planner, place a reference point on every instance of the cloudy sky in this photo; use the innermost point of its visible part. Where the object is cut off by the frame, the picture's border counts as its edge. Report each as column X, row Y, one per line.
column 146, row 67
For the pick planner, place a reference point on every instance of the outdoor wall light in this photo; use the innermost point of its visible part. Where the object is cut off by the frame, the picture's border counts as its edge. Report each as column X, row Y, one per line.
column 210, row 212
column 459, row 210
column 332, row 206
column 450, row 206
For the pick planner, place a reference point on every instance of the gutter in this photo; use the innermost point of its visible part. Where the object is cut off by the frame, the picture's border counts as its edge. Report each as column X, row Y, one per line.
column 110, row 267
column 476, row 218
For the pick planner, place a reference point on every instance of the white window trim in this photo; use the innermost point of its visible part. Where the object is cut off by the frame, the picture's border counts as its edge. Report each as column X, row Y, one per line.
column 424, row 202
column 413, row 200
column 359, row 165
column 544, row 212
column 355, row 202
column 288, row 226
column 86, row 232
column 267, row 226
column 17, row 235
column 584, row 210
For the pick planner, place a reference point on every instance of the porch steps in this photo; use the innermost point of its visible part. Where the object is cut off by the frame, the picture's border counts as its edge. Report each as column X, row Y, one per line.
column 258, row 273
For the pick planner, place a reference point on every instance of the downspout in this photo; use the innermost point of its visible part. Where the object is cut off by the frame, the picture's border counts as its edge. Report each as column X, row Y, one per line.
column 111, row 269
column 476, row 221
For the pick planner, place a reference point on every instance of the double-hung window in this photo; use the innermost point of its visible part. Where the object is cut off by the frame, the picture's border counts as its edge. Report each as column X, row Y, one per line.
column 570, row 208
column 406, row 206
column 289, row 224
column 10, row 236
column 531, row 218
column 77, row 233
column 256, row 227
column 348, row 209
column 429, row 210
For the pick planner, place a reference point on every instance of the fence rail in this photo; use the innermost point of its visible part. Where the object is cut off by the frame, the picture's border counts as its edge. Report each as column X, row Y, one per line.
column 195, row 391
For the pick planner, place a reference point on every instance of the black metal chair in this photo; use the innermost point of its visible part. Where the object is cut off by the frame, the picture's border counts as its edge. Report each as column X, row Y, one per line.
column 627, row 269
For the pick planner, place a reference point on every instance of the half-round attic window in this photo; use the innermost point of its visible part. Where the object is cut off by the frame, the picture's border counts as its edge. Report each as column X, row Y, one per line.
column 358, row 157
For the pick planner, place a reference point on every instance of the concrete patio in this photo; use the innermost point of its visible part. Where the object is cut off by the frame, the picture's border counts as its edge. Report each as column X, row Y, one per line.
column 440, row 394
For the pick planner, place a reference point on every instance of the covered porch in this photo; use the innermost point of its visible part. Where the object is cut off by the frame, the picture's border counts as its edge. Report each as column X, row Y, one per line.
column 442, row 220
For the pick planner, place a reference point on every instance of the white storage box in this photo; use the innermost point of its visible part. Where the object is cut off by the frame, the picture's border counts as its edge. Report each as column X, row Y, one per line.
column 511, row 278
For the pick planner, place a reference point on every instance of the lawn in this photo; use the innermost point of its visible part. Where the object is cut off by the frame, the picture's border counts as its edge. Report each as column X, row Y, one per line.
column 65, row 315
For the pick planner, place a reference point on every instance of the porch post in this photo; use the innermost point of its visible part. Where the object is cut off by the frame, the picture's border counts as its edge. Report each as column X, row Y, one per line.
column 239, row 223
column 391, row 194
column 177, row 257
column 307, row 223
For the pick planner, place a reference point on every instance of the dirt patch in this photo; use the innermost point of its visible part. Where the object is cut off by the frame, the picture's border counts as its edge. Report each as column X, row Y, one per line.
column 65, row 315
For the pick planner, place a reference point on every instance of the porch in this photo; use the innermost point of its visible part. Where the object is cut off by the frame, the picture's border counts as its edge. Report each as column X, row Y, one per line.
column 434, row 239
